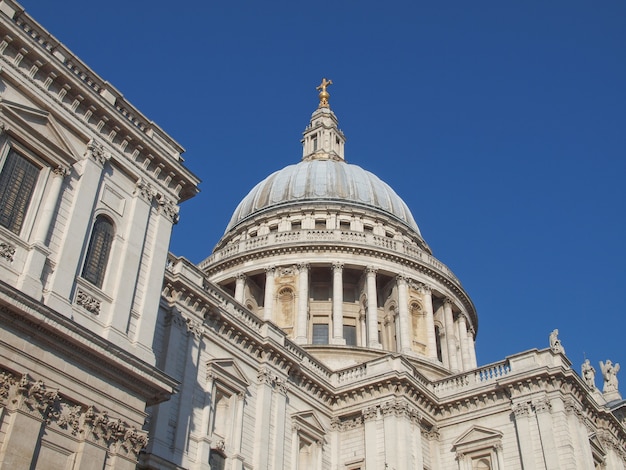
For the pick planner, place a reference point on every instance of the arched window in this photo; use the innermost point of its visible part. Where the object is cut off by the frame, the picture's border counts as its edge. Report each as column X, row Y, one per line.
column 98, row 251
column 17, row 183
column 438, row 342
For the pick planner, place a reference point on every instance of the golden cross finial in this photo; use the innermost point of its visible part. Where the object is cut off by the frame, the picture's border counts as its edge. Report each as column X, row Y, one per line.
column 324, row 95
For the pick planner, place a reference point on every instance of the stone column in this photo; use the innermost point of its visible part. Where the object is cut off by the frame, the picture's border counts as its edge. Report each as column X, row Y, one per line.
column 335, row 428
column 338, row 304
column 188, row 380
column 268, row 302
column 238, row 432
column 393, row 441
column 578, row 430
column 372, row 310
column 465, row 355
column 417, row 439
column 472, row 347
column 521, row 412
column 47, row 213
column 131, row 252
column 303, row 304
column 427, row 300
column 450, row 336
column 204, row 444
column 147, row 303
column 240, row 285
column 280, row 418
column 261, row 453
column 371, row 439
column 30, row 280
column 546, row 433
column 403, row 312
column 76, row 232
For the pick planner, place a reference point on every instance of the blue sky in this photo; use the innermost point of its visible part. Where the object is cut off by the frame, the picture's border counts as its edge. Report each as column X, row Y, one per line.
column 501, row 124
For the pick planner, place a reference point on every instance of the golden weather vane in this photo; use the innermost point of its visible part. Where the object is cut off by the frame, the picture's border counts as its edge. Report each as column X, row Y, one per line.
column 324, row 95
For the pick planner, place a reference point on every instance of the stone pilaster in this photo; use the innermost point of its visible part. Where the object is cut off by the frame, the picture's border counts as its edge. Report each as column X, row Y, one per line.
column 372, row 309
column 338, row 304
column 403, row 313
column 450, row 335
column 427, row 301
column 240, row 285
column 268, row 302
column 465, row 354
column 521, row 413
column 30, row 280
column 303, row 304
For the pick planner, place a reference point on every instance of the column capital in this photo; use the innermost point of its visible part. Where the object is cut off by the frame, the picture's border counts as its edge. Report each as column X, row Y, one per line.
column 241, row 276
column 144, row 190
column 462, row 316
column 371, row 270
column 95, row 150
column 303, row 266
column 337, row 266
column 521, row 409
column 401, row 279
column 61, row 171
column 448, row 301
column 270, row 270
column 424, row 289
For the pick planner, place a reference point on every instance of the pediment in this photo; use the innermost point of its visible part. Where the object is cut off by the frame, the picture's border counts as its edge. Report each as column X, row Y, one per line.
column 477, row 435
column 309, row 423
column 41, row 123
column 596, row 447
column 227, row 372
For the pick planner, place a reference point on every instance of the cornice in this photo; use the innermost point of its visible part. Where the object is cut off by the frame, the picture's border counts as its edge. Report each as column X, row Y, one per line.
column 31, row 55
column 302, row 247
column 57, row 332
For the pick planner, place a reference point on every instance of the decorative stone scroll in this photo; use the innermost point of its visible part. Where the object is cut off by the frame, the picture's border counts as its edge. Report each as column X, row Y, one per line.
column 280, row 384
column 144, row 190
column 34, row 397
column 95, row 150
column 167, row 208
column 7, row 251
column 88, row 302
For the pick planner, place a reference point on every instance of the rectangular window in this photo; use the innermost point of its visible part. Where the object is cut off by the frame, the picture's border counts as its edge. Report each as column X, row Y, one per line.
column 349, row 334
column 17, row 183
column 320, row 333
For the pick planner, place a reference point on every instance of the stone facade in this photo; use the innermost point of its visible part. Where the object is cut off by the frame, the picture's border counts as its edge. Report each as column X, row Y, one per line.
column 321, row 333
column 85, row 181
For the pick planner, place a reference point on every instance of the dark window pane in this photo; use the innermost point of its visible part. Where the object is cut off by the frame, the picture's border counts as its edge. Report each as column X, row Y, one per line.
column 349, row 334
column 320, row 333
column 98, row 251
column 17, row 183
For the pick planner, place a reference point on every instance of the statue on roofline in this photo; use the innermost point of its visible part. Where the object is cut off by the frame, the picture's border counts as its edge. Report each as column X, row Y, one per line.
column 609, row 372
column 555, row 343
column 589, row 374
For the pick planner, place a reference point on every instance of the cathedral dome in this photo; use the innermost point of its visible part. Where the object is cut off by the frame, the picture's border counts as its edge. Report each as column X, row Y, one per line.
column 320, row 180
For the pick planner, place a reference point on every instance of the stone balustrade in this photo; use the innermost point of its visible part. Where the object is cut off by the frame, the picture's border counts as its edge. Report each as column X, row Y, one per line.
column 458, row 383
column 336, row 237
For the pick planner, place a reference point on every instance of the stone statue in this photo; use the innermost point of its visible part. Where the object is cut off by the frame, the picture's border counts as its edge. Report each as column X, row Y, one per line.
column 589, row 374
column 609, row 372
column 555, row 343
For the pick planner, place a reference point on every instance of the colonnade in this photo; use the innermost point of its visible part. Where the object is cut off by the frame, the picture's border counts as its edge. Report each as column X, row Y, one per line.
column 453, row 346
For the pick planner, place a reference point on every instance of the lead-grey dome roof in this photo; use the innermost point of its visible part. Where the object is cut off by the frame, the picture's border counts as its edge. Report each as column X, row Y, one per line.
column 323, row 181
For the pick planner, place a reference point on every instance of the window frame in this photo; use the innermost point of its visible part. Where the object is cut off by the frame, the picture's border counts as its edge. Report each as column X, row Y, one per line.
column 34, row 199
column 100, row 269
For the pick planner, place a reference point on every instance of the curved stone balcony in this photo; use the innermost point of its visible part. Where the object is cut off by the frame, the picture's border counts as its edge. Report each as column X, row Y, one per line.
column 337, row 238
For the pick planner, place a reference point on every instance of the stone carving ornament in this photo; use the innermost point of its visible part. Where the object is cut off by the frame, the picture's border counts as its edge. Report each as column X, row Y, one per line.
column 609, row 372
column 589, row 374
